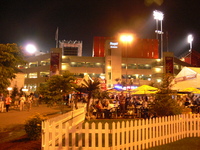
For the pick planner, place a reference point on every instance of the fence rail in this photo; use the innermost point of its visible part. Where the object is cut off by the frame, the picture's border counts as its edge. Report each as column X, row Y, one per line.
column 133, row 135
column 51, row 127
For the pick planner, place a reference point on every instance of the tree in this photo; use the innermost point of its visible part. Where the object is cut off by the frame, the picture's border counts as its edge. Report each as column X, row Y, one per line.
column 164, row 103
column 81, row 89
column 101, row 95
column 91, row 86
column 14, row 93
column 10, row 57
column 56, row 86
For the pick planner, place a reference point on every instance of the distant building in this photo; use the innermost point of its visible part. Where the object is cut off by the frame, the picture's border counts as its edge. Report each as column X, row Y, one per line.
column 138, row 48
column 192, row 57
column 71, row 48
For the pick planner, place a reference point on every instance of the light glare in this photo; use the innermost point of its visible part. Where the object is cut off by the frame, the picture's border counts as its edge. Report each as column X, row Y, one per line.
column 158, row 15
column 126, row 38
column 31, row 48
column 190, row 38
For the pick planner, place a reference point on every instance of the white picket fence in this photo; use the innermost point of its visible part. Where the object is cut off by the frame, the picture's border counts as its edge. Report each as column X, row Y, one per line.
column 133, row 135
column 69, row 120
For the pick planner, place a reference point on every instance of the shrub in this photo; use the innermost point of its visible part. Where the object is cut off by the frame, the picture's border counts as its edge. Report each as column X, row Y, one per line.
column 33, row 126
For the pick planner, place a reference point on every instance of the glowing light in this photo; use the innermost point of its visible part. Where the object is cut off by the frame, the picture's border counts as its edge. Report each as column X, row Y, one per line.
column 108, row 67
column 31, row 48
column 9, row 88
column 159, row 80
column 25, row 90
column 158, row 15
column 64, row 66
column 126, row 38
column 157, row 69
column 190, row 38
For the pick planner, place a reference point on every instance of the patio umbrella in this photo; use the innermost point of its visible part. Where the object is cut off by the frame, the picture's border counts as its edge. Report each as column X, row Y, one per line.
column 145, row 88
column 190, row 89
column 196, row 92
column 143, row 92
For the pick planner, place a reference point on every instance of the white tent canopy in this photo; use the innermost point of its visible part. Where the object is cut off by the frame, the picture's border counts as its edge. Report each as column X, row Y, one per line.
column 187, row 77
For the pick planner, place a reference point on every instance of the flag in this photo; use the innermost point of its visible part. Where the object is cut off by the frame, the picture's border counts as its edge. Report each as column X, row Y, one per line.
column 56, row 36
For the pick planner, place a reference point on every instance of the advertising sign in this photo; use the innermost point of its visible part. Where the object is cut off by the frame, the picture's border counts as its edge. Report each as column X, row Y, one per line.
column 55, row 64
column 169, row 65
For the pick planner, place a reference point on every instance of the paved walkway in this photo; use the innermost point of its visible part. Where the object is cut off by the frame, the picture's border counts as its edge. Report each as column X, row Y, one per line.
column 15, row 117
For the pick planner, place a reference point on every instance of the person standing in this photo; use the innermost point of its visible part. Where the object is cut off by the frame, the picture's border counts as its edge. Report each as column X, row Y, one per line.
column 2, row 101
column 122, row 102
column 8, row 101
column 29, row 102
column 22, row 100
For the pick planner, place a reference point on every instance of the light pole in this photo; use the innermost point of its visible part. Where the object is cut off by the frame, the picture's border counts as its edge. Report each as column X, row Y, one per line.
column 126, row 38
column 158, row 16
column 190, row 39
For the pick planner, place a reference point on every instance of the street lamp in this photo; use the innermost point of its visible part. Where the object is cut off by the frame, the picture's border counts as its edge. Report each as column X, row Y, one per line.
column 158, row 16
column 190, row 39
column 126, row 38
column 9, row 90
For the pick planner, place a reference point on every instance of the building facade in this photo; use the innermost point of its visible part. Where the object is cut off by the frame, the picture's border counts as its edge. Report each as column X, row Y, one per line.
column 71, row 47
column 113, row 66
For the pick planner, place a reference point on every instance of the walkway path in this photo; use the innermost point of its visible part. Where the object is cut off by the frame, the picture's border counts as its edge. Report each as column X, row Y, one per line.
column 15, row 117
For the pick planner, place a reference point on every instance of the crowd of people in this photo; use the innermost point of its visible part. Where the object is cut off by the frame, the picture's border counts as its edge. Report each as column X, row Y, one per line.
column 137, row 106
column 190, row 101
column 122, row 105
column 21, row 102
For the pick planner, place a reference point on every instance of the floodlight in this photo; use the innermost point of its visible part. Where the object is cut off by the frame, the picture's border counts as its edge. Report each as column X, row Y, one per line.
column 158, row 15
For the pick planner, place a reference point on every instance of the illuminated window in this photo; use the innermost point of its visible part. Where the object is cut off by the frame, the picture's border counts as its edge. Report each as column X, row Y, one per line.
column 33, row 75
column 44, row 63
column 157, row 70
column 123, row 66
column 144, row 66
column 44, row 74
column 33, row 64
column 132, row 66
column 98, row 65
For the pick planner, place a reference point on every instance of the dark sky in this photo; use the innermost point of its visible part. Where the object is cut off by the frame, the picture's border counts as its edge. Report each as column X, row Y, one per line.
column 36, row 21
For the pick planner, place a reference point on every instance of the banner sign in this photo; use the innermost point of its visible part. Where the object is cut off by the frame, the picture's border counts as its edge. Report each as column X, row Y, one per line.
column 169, row 65
column 55, row 64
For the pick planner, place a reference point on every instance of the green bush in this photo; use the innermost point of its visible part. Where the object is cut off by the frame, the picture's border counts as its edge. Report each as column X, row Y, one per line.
column 33, row 126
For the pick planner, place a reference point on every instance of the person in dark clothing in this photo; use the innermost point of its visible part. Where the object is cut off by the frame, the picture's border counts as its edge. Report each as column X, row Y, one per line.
column 66, row 99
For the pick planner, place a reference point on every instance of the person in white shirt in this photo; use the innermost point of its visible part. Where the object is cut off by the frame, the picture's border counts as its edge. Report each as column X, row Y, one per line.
column 29, row 102
column 22, row 100
column 2, row 101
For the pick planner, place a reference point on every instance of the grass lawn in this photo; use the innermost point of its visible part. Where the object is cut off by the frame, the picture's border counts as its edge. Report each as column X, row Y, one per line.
column 192, row 143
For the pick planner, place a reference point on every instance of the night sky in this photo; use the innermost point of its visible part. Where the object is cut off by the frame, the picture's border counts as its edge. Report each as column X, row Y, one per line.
column 35, row 21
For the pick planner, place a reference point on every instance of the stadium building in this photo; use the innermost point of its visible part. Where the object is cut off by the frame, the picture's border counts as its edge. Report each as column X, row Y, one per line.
column 123, row 65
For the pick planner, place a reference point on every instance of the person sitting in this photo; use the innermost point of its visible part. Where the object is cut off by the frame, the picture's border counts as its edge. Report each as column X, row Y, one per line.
column 107, row 108
column 99, row 109
column 122, row 102
column 187, row 103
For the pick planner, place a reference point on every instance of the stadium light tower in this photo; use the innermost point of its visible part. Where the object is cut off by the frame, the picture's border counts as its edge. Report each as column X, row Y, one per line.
column 190, row 40
column 158, row 16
